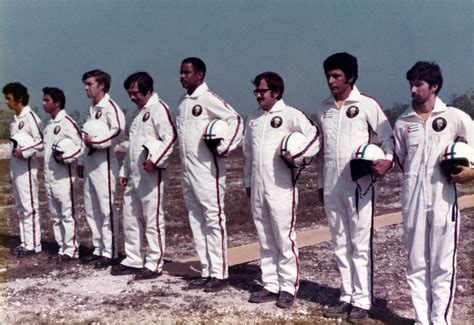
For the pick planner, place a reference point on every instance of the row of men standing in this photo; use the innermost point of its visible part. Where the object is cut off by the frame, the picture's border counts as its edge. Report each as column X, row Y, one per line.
column 345, row 121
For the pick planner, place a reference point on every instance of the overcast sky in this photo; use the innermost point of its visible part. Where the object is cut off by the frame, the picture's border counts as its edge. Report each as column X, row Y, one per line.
column 52, row 43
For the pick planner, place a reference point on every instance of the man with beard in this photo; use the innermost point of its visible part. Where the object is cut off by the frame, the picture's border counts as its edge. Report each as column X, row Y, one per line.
column 429, row 208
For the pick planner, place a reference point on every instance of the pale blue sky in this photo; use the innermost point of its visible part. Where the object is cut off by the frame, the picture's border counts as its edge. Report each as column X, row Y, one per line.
column 52, row 43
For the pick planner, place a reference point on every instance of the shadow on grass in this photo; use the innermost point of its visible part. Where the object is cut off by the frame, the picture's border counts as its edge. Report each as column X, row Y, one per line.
column 248, row 277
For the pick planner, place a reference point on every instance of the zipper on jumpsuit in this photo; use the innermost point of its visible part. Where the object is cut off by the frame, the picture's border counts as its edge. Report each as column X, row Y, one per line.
column 260, row 151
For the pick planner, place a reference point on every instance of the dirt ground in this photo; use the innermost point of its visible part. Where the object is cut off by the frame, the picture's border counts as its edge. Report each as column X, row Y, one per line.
column 33, row 290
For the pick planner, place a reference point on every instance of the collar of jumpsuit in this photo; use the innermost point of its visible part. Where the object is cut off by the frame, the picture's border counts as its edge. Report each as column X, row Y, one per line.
column 26, row 110
column 438, row 108
column 278, row 107
column 354, row 96
column 201, row 89
column 151, row 101
column 101, row 104
column 59, row 116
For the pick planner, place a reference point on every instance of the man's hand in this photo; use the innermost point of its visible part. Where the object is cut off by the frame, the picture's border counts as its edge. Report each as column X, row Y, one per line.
column 88, row 140
column 123, row 181
column 288, row 158
column 17, row 153
column 465, row 175
column 321, row 195
column 248, row 191
column 80, row 171
column 380, row 167
column 149, row 166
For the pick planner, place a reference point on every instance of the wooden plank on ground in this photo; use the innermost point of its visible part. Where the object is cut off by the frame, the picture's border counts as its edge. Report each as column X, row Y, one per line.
column 251, row 252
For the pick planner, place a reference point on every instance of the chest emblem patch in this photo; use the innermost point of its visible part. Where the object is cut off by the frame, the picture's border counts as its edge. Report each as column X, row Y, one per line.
column 439, row 124
column 352, row 111
column 197, row 110
column 21, row 125
column 57, row 129
column 276, row 122
column 98, row 114
column 328, row 114
column 146, row 116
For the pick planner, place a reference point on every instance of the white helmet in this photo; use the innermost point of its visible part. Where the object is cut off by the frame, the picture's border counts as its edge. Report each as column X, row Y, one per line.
column 293, row 144
column 457, row 153
column 154, row 149
column 67, row 148
column 215, row 130
column 97, row 130
column 362, row 159
column 22, row 141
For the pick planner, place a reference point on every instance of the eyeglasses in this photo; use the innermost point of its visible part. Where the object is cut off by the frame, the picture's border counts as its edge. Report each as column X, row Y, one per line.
column 260, row 92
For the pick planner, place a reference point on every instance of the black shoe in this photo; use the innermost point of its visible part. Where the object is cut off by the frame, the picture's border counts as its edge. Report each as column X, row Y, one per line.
column 198, row 283
column 263, row 295
column 54, row 258
column 89, row 258
column 358, row 315
column 215, row 285
column 285, row 300
column 17, row 250
column 121, row 269
column 26, row 253
column 63, row 259
column 103, row 263
column 146, row 274
column 341, row 309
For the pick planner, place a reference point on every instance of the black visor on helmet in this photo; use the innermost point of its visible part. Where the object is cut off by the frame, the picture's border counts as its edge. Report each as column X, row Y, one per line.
column 449, row 167
column 359, row 168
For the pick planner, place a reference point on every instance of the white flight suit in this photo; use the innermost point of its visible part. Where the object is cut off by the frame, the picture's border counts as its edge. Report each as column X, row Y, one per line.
column 204, row 174
column 100, row 171
column 143, row 201
column 350, row 212
column 60, row 182
column 430, row 220
column 24, row 176
column 274, row 195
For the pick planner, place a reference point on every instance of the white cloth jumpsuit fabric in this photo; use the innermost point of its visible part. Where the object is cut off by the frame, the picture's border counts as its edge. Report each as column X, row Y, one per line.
column 274, row 195
column 350, row 215
column 60, row 183
column 430, row 220
column 24, row 176
column 143, row 201
column 204, row 175
column 100, row 172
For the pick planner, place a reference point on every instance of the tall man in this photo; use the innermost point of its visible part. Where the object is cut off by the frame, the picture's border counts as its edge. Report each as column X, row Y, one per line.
column 271, row 184
column 100, row 169
column 346, row 119
column 144, row 174
column 430, row 218
column 60, row 176
column 204, row 171
column 24, row 168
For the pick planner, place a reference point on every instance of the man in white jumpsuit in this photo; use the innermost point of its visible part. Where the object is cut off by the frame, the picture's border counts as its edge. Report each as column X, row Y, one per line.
column 204, row 171
column 100, row 169
column 24, row 171
column 143, row 201
column 347, row 119
column 430, row 217
column 59, row 177
column 271, row 185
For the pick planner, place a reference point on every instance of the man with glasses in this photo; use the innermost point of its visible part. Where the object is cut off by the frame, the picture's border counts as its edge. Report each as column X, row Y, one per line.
column 204, row 171
column 347, row 119
column 270, row 182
